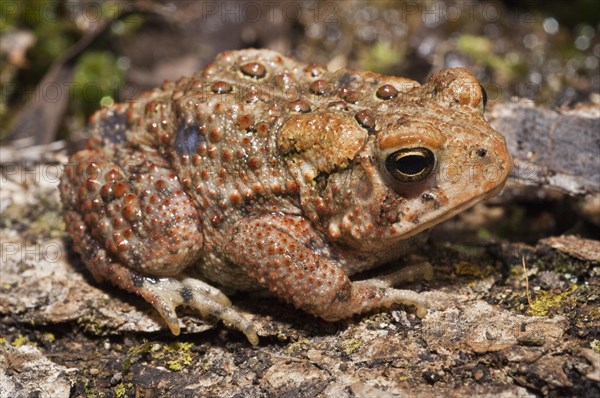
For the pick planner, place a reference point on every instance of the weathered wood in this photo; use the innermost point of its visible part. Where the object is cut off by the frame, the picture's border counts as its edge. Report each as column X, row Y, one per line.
column 552, row 148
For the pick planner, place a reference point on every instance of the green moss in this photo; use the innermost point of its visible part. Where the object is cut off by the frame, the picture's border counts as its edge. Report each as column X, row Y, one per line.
column 127, row 25
column 300, row 345
column 595, row 344
column 531, row 341
column 53, row 25
column 282, row 335
column 546, row 301
column 180, row 355
column 486, row 234
column 381, row 57
column 465, row 268
column 53, row 30
column 89, row 325
column 517, row 271
column 144, row 348
column 97, row 80
column 89, row 391
column 21, row 341
column 49, row 337
column 481, row 50
column 175, row 356
column 350, row 346
column 121, row 389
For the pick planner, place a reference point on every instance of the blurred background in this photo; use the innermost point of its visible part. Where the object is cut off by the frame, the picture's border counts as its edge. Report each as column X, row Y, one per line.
column 62, row 60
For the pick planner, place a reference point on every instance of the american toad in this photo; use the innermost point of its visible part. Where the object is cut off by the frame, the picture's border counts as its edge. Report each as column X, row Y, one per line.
column 262, row 172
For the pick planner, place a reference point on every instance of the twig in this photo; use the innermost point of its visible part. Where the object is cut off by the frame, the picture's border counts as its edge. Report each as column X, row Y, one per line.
column 526, row 281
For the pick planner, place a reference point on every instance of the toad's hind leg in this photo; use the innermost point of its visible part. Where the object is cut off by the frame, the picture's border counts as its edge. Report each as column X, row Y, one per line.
column 286, row 255
column 164, row 294
column 134, row 226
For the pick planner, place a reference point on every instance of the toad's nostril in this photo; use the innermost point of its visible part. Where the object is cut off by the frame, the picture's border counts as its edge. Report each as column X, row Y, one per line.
column 481, row 152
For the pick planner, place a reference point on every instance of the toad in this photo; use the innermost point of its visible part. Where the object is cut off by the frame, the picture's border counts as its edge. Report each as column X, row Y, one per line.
column 260, row 172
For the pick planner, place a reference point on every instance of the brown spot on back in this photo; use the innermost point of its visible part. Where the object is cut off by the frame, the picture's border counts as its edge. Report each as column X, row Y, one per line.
column 221, row 87
column 254, row 69
column 387, row 91
column 366, row 119
column 319, row 87
column 300, row 106
column 254, row 163
column 350, row 96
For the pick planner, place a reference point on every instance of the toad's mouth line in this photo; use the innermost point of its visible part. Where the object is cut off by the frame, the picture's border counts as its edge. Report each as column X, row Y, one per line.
column 447, row 215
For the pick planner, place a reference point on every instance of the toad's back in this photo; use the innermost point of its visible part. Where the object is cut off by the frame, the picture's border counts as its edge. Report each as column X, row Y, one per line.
column 219, row 129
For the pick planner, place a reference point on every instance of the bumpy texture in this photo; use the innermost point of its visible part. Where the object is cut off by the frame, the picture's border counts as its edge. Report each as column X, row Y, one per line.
column 262, row 172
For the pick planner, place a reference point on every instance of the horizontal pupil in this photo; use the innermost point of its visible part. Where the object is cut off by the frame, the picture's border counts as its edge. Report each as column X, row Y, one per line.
column 411, row 164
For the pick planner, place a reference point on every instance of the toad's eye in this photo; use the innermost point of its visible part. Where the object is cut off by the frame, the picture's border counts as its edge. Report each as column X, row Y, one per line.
column 410, row 164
